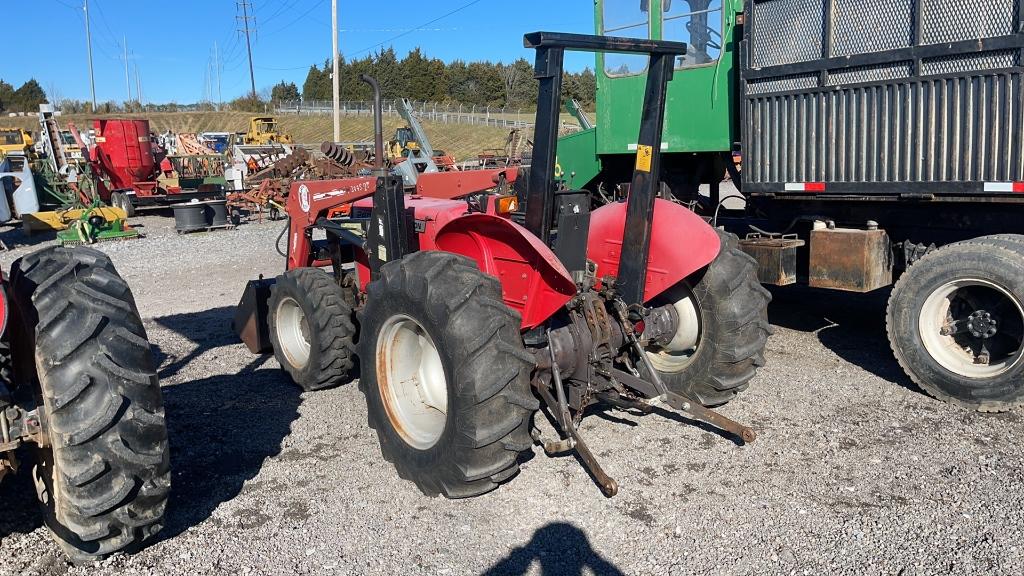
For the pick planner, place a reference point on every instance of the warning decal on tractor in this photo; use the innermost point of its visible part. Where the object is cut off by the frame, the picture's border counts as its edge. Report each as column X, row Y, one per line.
column 643, row 157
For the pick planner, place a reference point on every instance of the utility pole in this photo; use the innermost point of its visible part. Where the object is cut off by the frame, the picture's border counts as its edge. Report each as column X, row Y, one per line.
column 138, row 84
column 248, row 44
column 127, row 79
column 216, row 66
column 88, row 43
column 334, row 76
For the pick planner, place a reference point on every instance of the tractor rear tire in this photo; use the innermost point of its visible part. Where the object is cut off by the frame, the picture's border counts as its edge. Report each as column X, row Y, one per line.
column 445, row 374
column 953, row 284
column 312, row 328
column 723, row 331
column 103, row 479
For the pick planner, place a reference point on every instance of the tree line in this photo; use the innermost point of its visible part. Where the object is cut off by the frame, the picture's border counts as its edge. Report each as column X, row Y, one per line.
column 26, row 98
column 418, row 77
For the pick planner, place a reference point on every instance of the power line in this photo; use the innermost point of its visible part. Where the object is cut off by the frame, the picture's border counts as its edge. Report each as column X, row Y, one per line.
column 106, row 26
column 406, row 33
column 306, row 67
column 303, row 15
column 281, row 9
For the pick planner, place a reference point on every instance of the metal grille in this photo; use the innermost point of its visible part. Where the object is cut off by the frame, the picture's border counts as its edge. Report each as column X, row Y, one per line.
column 782, row 83
column 969, row 62
column 860, row 26
column 787, row 31
column 930, row 130
column 893, row 71
column 955, row 20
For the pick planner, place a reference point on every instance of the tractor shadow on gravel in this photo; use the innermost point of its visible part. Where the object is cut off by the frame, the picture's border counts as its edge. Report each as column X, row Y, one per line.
column 853, row 327
column 561, row 549
column 221, row 428
column 207, row 330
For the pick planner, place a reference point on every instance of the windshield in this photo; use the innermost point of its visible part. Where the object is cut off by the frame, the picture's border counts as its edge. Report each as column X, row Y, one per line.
column 628, row 19
column 11, row 137
column 699, row 24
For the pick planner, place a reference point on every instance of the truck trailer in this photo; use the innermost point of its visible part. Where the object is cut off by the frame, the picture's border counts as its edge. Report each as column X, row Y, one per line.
column 881, row 151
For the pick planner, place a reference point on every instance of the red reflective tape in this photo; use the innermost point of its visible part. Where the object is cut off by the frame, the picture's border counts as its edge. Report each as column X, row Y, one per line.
column 1018, row 187
column 814, row 187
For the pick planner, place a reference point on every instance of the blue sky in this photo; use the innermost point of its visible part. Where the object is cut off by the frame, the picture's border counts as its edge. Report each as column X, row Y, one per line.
column 172, row 42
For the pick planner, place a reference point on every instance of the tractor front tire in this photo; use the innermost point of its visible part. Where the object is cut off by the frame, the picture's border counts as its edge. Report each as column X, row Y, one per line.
column 312, row 328
column 104, row 476
column 723, row 315
column 445, row 374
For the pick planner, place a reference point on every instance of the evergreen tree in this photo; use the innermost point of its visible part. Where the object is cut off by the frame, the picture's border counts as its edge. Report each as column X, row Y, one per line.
column 284, row 92
column 311, row 88
column 6, row 96
column 28, row 97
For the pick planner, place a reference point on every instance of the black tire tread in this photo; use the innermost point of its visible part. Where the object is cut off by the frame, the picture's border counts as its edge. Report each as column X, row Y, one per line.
column 1011, row 244
column 331, row 316
column 101, row 396
column 738, row 305
column 493, row 428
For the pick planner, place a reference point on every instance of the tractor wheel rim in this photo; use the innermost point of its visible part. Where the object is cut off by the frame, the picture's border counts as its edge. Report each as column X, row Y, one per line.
column 973, row 328
column 413, row 386
column 293, row 332
column 679, row 352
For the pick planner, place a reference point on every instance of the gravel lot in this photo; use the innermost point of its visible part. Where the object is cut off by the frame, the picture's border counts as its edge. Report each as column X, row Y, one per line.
column 855, row 470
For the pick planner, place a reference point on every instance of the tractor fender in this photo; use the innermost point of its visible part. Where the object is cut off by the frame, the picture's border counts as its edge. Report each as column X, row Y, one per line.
column 681, row 244
column 533, row 281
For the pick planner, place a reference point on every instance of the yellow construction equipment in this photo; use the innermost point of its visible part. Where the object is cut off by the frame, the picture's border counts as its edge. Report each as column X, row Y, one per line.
column 16, row 140
column 263, row 130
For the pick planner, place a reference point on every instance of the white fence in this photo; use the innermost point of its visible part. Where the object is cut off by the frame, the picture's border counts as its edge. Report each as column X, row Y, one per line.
column 443, row 113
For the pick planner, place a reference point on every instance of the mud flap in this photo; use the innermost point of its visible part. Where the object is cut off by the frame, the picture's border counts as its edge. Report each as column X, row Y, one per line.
column 251, row 316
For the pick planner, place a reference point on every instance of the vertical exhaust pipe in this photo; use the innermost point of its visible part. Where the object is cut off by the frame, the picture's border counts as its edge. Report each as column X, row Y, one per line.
column 378, row 126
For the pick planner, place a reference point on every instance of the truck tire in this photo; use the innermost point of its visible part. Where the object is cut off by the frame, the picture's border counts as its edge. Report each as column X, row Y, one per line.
column 723, row 328
column 975, row 287
column 103, row 479
column 445, row 374
column 311, row 328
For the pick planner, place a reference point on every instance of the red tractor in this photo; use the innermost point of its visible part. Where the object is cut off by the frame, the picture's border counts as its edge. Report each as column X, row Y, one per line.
column 80, row 402
column 467, row 311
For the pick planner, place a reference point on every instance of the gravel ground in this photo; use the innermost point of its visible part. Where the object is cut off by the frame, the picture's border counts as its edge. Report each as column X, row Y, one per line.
column 855, row 470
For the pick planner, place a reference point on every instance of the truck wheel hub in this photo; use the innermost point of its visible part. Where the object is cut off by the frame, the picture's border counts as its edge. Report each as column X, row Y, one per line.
column 973, row 328
column 982, row 324
column 412, row 381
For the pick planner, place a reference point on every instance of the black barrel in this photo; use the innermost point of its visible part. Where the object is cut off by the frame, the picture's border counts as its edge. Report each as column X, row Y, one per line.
column 216, row 212
column 190, row 216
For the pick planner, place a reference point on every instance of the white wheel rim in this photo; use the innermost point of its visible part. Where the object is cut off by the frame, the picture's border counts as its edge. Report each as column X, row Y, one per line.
column 412, row 382
column 679, row 352
column 293, row 332
column 963, row 300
